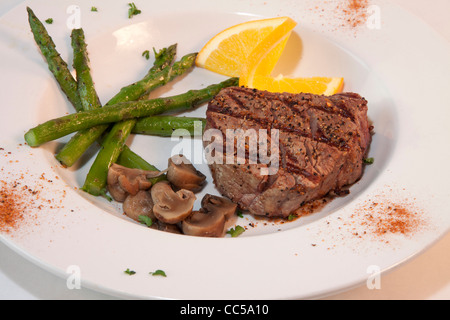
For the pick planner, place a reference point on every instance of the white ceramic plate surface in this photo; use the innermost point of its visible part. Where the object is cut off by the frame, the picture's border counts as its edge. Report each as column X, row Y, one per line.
column 400, row 66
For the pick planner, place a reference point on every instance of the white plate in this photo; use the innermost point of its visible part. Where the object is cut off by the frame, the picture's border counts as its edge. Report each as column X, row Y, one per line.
column 401, row 68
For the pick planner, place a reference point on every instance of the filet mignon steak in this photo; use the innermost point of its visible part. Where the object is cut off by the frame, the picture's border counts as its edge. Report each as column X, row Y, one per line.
column 323, row 141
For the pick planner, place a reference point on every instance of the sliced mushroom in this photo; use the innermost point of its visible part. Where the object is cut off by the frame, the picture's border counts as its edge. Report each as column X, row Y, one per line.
column 159, row 225
column 211, row 203
column 122, row 181
column 140, row 204
column 210, row 220
column 182, row 174
column 204, row 224
column 170, row 206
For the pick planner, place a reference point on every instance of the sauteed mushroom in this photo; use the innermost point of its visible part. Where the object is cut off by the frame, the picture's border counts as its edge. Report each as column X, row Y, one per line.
column 170, row 203
column 211, row 203
column 123, row 181
column 159, row 225
column 182, row 174
column 170, row 206
column 140, row 204
column 210, row 220
column 204, row 224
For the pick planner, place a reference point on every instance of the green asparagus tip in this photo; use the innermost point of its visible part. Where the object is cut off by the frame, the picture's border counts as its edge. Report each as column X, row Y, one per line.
column 31, row 13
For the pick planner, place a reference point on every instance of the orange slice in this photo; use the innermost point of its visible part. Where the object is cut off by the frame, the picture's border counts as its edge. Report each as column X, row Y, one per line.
column 229, row 51
column 255, row 73
column 316, row 85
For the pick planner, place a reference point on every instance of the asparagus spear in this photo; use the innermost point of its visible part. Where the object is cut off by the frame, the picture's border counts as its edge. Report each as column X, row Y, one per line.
column 55, row 63
column 96, row 179
column 95, row 183
column 88, row 95
column 157, row 74
column 81, row 141
column 71, row 88
column 90, row 100
column 85, row 83
column 165, row 125
column 60, row 127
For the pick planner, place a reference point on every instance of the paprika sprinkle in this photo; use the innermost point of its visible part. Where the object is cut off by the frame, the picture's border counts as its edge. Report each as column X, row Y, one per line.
column 382, row 216
column 22, row 195
column 13, row 203
column 347, row 14
column 354, row 12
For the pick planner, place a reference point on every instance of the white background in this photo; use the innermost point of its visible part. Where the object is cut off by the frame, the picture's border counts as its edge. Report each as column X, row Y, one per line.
column 427, row 277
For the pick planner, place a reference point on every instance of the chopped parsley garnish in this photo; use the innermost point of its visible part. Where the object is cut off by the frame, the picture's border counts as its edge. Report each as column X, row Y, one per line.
column 133, row 10
column 158, row 273
column 236, row 232
column 145, row 220
column 94, row 9
column 130, row 272
column 292, row 217
column 239, row 213
column 369, row 160
column 146, row 54
column 49, row 21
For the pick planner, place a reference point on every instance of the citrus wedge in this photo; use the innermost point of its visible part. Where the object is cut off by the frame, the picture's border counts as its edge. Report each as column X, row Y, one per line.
column 256, row 74
column 229, row 51
column 316, row 85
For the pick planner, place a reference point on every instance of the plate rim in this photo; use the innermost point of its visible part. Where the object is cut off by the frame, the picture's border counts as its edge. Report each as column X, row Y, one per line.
column 93, row 285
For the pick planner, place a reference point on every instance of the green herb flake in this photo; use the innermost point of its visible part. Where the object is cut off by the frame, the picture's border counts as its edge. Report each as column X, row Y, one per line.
column 94, row 9
column 133, row 10
column 49, row 21
column 130, row 272
column 158, row 273
column 145, row 220
column 236, row 232
column 239, row 213
column 146, row 54
column 292, row 217
column 369, row 160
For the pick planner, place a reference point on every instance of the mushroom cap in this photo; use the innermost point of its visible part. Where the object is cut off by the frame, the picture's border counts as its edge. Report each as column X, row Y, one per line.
column 211, row 203
column 170, row 206
column 122, row 181
column 140, row 204
column 204, row 224
column 161, row 226
column 182, row 174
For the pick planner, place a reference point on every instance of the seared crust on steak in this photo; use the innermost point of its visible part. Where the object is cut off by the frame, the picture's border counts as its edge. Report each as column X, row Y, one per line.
column 322, row 143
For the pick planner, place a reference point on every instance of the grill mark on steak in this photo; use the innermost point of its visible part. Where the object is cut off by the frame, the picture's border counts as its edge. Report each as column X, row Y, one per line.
column 323, row 141
column 341, row 110
column 318, row 135
column 287, row 160
column 335, row 107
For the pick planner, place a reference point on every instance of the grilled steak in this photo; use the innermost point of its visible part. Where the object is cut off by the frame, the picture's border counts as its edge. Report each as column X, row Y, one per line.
column 322, row 144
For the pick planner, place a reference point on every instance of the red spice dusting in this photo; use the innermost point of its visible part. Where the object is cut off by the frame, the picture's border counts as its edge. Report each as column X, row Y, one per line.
column 395, row 219
column 342, row 14
column 15, row 200
column 386, row 218
column 380, row 217
column 22, row 196
column 354, row 12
